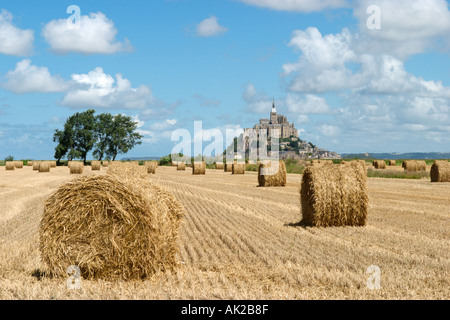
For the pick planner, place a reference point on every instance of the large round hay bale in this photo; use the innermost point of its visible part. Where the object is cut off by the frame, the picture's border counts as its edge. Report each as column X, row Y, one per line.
column 96, row 165
column 238, row 168
column 440, row 171
column 110, row 227
column 228, row 167
column 10, row 166
column 181, row 166
column 36, row 165
column 151, row 166
column 392, row 163
column 271, row 175
column 76, row 167
column 219, row 165
column 127, row 169
column 199, row 168
column 18, row 164
column 380, row 164
column 44, row 166
column 334, row 195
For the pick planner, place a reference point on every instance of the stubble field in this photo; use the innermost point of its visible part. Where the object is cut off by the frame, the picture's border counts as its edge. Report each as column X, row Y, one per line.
column 239, row 241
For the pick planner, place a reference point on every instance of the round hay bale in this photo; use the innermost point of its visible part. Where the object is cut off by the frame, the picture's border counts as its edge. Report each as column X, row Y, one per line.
column 199, row 168
column 334, row 195
column 44, row 166
column 96, row 165
column 29, row 163
column 111, row 228
column 127, row 169
column 380, row 164
column 76, row 168
column 35, row 165
column 151, row 166
column 52, row 164
column 440, row 171
column 421, row 165
column 238, row 168
column 219, row 165
column 271, row 176
column 228, row 167
column 392, row 163
column 414, row 165
column 181, row 166
column 10, row 166
column 18, row 164
column 105, row 164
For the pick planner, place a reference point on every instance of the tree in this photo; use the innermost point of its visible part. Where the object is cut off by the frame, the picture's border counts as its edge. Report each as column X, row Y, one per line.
column 122, row 135
column 102, row 134
column 83, row 133
column 9, row 158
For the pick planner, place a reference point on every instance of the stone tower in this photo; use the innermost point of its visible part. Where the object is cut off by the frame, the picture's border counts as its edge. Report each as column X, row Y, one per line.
column 273, row 114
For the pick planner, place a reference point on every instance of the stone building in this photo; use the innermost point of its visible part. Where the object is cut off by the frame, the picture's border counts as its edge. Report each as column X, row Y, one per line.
column 276, row 122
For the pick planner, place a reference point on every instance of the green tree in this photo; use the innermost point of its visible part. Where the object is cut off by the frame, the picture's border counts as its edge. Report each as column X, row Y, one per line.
column 9, row 158
column 102, row 134
column 122, row 135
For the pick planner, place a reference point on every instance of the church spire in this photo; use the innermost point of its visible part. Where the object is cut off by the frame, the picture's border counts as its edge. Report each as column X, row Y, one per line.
column 274, row 110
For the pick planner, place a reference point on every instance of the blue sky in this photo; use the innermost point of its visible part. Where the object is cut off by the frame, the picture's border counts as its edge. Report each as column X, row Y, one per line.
column 168, row 63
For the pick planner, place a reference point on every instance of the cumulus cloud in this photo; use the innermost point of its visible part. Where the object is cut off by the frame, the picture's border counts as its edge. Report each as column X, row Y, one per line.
column 27, row 78
column 14, row 41
column 210, row 27
column 164, row 125
column 297, row 5
column 310, row 105
column 101, row 90
column 257, row 102
column 96, row 35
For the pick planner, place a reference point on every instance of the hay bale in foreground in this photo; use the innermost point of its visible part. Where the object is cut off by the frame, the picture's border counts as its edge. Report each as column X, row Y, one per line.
column 10, row 166
column 238, row 168
column 379, row 164
column 18, row 164
column 35, row 165
column 76, row 168
column 271, row 176
column 111, row 228
column 219, row 165
column 127, row 169
column 181, row 166
column 199, row 168
column 334, row 195
column 440, row 171
column 151, row 166
column 44, row 166
column 96, row 165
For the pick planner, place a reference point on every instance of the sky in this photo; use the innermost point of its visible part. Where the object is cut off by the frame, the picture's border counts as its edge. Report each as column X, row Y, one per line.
column 354, row 76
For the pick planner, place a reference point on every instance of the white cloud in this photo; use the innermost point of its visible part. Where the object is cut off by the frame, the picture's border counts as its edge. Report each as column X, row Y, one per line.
column 257, row 102
column 329, row 131
column 27, row 78
column 210, row 27
column 96, row 35
column 164, row 125
column 14, row 41
column 311, row 105
column 407, row 26
column 97, row 89
column 297, row 5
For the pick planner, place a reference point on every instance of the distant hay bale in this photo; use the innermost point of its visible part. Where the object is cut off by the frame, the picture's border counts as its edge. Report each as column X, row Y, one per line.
column 151, row 166
column 238, row 168
column 181, row 166
column 105, row 164
column 76, row 167
column 272, row 175
column 379, row 164
column 174, row 163
column 228, row 167
column 10, row 166
column 30, row 163
column 199, row 168
column 334, row 195
column 127, row 169
column 44, row 166
column 111, row 227
column 18, row 164
column 52, row 164
column 392, row 163
column 219, row 165
column 440, row 171
column 35, row 165
column 413, row 165
column 96, row 165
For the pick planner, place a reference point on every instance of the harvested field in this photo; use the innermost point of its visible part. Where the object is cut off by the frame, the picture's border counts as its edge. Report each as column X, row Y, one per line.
column 246, row 243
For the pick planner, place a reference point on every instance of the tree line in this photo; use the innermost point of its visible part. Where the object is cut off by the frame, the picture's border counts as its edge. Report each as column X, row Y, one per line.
column 105, row 134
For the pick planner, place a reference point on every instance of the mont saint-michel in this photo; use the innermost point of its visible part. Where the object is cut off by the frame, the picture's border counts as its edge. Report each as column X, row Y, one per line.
column 291, row 145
